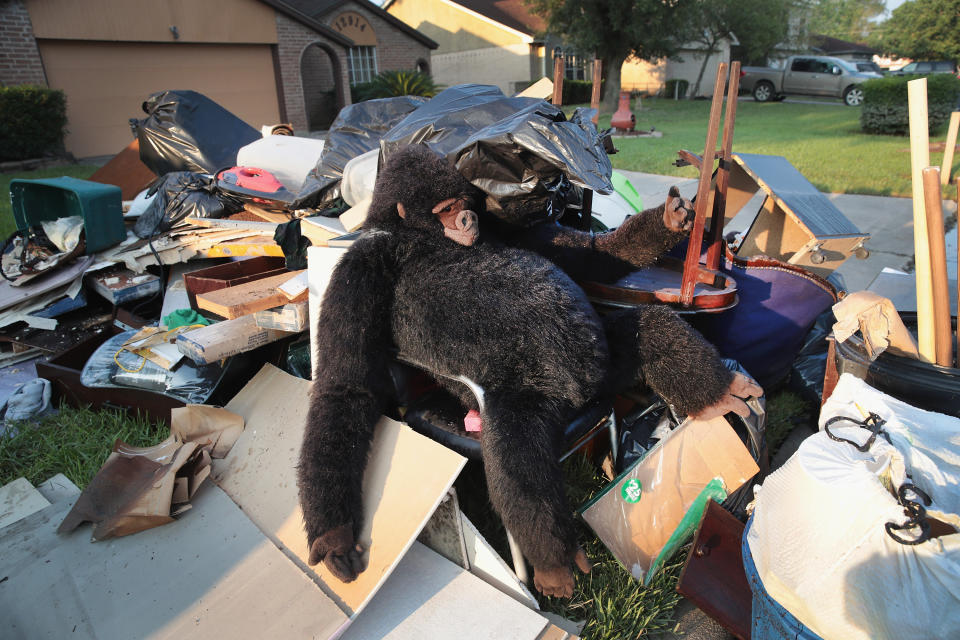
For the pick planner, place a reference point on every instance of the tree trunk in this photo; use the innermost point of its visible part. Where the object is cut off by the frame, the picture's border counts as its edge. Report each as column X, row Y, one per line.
column 695, row 91
column 611, row 94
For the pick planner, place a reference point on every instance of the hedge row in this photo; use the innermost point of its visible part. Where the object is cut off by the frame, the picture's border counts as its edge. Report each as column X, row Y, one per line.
column 885, row 103
column 33, row 121
column 579, row 91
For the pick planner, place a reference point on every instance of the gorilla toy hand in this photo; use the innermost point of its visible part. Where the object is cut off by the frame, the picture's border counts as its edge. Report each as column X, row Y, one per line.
column 559, row 580
column 339, row 553
column 678, row 212
column 741, row 387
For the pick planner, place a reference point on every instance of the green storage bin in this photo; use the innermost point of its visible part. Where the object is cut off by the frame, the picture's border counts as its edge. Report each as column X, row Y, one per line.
column 35, row 201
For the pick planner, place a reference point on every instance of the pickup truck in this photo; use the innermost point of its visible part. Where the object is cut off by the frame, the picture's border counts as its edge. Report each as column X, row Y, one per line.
column 808, row 76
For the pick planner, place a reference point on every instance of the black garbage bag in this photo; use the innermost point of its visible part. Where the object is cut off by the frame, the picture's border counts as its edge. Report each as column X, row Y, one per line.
column 187, row 131
column 181, row 194
column 522, row 152
column 810, row 365
column 357, row 129
column 643, row 429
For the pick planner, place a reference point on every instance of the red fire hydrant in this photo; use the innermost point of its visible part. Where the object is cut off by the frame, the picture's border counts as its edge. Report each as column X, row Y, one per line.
column 623, row 119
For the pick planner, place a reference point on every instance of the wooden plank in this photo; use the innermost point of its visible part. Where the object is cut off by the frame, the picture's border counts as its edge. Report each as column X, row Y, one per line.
column 126, row 171
column 268, row 216
column 920, row 160
column 251, row 247
column 249, row 297
column 406, row 477
column 933, row 206
column 713, row 577
column 715, row 253
column 947, row 167
column 691, row 265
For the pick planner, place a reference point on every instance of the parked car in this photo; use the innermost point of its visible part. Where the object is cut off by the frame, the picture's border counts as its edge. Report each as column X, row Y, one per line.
column 870, row 67
column 920, row 67
column 806, row 76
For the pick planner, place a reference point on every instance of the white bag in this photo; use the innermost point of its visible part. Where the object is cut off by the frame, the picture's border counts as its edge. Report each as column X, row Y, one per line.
column 822, row 550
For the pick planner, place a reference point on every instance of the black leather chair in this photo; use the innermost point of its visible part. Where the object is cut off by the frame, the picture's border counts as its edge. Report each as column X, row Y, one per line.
column 434, row 412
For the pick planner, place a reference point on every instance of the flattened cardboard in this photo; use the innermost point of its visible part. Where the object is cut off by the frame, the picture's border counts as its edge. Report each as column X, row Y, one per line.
column 209, row 574
column 430, row 598
column 207, row 426
column 407, row 476
column 636, row 526
column 486, row 564
column 18, row 499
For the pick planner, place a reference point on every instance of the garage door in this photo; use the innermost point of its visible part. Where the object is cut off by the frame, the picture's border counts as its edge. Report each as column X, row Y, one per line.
column 106, row 82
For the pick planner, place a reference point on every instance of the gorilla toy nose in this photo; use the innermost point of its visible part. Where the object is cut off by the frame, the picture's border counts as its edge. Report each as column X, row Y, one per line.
column 465, row 228
column 466, row 220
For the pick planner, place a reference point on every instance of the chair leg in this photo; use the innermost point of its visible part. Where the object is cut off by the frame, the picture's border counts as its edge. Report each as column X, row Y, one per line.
column 614, row 435
column 519, row 564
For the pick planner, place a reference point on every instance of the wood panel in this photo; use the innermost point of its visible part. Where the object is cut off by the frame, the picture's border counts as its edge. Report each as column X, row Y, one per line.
column 106, row 83
column 249, row 297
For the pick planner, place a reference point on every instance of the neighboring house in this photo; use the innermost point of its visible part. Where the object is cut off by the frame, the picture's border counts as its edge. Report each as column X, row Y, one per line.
column 254, row 57
column 500, row 42
column 482, row 41
column 852, row 51
column 650, row 77
column 381, row 42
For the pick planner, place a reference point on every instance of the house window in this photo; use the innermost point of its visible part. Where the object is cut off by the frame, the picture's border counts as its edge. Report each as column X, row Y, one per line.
column 575, row 67
column 363, row 64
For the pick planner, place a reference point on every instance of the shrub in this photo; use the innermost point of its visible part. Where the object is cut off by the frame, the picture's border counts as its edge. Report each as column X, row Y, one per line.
column 676, row 87
column 389, row 84
column 33, row 121
column 885, row 103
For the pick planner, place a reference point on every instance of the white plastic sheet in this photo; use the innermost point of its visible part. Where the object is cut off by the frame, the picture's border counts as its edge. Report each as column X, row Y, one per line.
column 820, row 546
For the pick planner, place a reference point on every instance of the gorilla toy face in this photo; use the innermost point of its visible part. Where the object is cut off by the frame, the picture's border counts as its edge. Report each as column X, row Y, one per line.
column 459, row 221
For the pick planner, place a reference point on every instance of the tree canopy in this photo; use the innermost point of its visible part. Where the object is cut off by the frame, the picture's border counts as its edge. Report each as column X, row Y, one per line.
column 922, row 29
column 615, row 30
column 850, row 20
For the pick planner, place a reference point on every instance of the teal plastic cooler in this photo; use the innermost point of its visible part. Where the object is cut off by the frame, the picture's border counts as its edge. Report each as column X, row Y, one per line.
column 35, row 201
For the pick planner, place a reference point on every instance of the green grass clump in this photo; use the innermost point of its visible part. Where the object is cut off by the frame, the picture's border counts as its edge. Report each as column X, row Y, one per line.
column 75, row 442
column 786, row 410
column 7, row 224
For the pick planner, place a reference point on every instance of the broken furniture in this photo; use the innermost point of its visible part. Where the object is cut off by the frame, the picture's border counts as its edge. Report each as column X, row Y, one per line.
column 438, row 415
column 230, row 274
column 796, row 223
column 34, row 201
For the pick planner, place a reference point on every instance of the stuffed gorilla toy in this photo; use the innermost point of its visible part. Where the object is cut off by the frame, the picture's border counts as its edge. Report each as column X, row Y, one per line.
column 431, row 275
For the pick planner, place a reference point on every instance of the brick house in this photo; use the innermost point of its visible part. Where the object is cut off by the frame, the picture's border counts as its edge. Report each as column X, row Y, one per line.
column 265, row 60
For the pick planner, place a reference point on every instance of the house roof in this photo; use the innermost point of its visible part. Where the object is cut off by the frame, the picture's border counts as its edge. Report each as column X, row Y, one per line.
column 510, row 13
column 317, row 9
column 295, row 13
column 831, row 46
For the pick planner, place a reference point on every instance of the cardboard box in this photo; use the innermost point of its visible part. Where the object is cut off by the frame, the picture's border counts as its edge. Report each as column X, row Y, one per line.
column 638, row 514
column 225, row 339
column 230, row 274
column 291, row 317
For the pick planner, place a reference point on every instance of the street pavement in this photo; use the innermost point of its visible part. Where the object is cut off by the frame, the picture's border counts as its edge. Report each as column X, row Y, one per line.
column 889, row 221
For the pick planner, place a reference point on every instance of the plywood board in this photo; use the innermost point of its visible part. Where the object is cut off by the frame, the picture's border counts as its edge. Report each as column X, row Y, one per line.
column 18, row 499
column 430, row 598
column 126, row 171
column 249, row 297
column 406, row 478
column 211, row 573
column 320, row 264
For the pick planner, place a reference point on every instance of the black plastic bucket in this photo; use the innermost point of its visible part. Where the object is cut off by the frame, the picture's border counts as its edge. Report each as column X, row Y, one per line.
column 923, row 385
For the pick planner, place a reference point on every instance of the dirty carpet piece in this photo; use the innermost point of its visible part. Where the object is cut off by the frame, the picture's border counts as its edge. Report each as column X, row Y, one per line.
column 133, row 490
column 209, row 574
column 407, row 476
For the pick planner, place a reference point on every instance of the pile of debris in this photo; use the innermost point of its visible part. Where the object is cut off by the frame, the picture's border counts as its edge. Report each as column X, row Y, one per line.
column 183, row 275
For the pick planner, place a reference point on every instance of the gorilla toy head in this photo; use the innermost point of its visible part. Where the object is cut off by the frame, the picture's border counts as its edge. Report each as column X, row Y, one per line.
column 416, row 190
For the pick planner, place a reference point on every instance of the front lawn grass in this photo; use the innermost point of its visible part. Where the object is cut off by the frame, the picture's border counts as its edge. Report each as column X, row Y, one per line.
column 823, row 141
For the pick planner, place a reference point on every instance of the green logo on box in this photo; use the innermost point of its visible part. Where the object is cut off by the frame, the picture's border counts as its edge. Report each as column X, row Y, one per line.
column 631, row 490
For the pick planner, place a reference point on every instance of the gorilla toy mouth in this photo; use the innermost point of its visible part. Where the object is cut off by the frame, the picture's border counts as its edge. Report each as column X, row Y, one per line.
column 459, row 224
